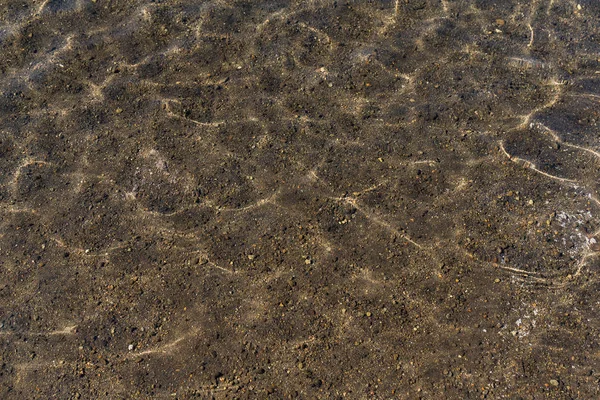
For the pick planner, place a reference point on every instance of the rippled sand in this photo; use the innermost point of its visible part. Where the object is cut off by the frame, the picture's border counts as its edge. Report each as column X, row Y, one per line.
column 299, row 199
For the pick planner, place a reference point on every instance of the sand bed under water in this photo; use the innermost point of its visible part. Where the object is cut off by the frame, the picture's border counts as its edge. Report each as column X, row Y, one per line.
column 299, row 199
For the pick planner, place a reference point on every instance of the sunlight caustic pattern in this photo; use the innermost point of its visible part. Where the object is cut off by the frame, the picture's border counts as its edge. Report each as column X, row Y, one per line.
column 236, row 147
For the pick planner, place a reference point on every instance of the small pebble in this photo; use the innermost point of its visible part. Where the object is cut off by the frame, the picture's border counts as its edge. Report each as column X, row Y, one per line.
column 553, row 382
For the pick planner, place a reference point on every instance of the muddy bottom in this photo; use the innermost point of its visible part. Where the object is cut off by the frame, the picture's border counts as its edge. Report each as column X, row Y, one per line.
column 299, row 199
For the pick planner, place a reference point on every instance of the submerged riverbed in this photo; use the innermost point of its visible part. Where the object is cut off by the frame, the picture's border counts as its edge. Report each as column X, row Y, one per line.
column 299, row 199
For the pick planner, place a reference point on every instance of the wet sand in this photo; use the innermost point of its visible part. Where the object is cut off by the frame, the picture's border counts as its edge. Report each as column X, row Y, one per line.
column 284, row 199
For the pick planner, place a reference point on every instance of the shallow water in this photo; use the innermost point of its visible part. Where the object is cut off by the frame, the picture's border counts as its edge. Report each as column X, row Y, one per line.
column 308, row 199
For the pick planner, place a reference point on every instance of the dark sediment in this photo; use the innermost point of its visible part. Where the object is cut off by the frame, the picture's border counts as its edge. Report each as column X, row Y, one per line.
column 316, row 199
